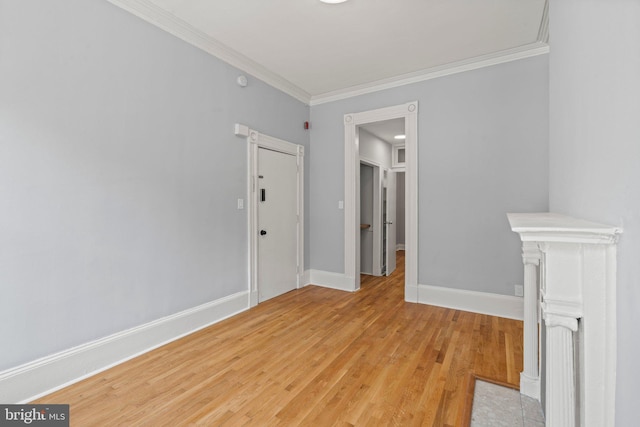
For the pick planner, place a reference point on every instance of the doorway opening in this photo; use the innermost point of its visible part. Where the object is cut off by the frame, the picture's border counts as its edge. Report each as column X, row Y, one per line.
column 353, row 157
column 381, row 206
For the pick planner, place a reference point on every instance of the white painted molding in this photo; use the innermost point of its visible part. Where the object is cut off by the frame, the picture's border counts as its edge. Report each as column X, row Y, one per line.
column 159, row 17
column 578, row 297
column 530, row 376
column 370, row 162
column 43, row 376
column 327, row 279
column 409, row 112
column 411, row 293
column 550, row 227
column 506, row 306
column 530, row 386
column 560, row 390
column 306, row 278
column 411, row 200
column 509, row 55
column 395, row 163
column 543, row 31
column 241, row 130
column 275, row 144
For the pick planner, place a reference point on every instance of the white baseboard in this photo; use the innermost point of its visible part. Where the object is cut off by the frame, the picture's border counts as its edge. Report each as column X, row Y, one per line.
column 43, row 376
column 400, row 247
column 411, row 293
column 306, row 278
column 328, row 279
column 477, row 302
column 530, row 386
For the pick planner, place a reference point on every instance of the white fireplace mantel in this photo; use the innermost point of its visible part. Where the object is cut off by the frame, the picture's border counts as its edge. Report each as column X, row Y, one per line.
column 570, row 270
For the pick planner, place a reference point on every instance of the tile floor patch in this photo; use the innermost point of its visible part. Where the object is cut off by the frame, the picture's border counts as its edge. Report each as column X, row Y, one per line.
column 497, row 406
column 531, row 409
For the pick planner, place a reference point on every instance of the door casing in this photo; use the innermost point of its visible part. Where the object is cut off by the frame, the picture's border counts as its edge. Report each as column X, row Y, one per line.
column 409, row 112
column 256, row 140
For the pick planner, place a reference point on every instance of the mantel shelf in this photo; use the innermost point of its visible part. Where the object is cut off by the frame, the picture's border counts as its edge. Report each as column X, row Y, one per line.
column 570, row 280
column 547, row 226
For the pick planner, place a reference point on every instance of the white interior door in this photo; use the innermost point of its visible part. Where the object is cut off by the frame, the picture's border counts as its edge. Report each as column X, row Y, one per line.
column 390, row 222
column 277, row 223
column 367, row 186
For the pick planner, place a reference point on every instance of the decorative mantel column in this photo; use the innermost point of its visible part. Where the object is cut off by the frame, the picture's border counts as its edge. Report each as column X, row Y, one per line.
column 577, row 287
column 530, row 377
column 560, row 386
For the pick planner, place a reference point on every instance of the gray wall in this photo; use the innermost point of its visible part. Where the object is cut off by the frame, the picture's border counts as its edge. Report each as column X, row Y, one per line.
column 595, row 148
column 119, row 173
column 483, row 151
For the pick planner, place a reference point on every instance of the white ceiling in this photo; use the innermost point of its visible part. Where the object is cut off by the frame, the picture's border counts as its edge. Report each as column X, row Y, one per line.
column 313, row 50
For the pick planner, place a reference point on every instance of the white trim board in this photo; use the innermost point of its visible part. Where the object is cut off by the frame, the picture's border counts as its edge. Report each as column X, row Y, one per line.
column 408, row 112
column 48, row 374
column 162, row 19
column 506, row 306
column 489, row 60
column 327, row 279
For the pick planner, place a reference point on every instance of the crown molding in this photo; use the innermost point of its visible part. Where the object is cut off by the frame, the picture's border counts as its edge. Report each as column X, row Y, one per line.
column 159, row 17
column 150, row 12
column 521, row 52
column 543, row 32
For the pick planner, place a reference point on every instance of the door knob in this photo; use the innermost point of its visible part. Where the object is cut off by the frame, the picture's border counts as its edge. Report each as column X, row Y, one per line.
column 263, row 232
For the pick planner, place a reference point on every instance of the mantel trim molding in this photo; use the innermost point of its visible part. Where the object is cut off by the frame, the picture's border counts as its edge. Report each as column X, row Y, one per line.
column 576, row 289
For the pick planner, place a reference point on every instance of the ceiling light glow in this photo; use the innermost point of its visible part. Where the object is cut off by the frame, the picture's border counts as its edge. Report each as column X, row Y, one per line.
column 400, row 137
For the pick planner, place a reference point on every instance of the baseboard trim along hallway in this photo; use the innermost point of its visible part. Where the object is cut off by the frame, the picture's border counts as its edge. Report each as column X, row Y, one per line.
column 327, row 279
column 43, row 376
column 506, row 306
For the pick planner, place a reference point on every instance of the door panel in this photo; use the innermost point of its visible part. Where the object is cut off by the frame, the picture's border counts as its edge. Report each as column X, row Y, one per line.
column 277, row 223
column 390, row 222
column 366, row 217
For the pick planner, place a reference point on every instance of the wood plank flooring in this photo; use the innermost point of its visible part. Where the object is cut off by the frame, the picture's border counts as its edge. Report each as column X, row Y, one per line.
column 314, row 356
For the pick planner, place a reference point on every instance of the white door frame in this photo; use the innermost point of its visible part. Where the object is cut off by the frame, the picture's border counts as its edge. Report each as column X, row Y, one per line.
column 257, row 140
column 409, row 112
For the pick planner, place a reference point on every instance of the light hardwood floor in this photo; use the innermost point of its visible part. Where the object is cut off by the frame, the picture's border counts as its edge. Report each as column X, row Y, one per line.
column 314, row 356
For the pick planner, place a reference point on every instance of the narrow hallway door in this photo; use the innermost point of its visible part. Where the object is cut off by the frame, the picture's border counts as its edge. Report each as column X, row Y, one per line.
column 277, row 223
column 390, row 222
